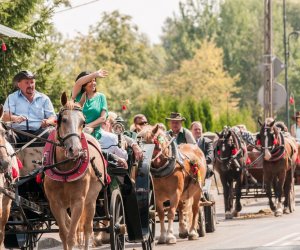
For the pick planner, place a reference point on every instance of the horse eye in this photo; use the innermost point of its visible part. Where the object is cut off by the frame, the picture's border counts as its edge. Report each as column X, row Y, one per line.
column 64, row 120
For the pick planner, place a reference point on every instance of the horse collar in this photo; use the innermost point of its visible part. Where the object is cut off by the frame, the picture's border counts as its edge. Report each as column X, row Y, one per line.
column 80, row 165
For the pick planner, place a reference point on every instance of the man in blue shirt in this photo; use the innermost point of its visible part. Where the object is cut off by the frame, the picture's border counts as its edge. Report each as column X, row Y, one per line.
column 28, row 109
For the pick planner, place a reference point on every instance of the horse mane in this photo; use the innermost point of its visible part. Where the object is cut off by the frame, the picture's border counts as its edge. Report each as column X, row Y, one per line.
column 281, row 126
column 72, row 105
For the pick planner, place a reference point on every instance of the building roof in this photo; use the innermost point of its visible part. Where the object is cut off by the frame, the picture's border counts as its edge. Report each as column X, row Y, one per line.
column 5, row 31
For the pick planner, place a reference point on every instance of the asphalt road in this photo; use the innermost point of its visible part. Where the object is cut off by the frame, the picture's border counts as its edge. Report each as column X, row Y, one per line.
column 257, row 228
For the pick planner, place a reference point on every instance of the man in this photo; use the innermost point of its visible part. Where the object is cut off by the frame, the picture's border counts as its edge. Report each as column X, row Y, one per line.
column 205, row 144
column 181, row 134
column 139, row 122
column 28, row 109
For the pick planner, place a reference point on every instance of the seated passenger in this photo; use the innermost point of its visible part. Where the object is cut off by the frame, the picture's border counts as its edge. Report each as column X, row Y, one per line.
column 28, row 109
column 139, row 122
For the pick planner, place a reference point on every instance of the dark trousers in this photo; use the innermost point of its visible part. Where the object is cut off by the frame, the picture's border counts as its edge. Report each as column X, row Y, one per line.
column 19, row 140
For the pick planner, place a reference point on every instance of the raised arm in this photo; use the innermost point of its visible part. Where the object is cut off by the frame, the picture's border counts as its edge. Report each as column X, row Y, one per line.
column 101, row 73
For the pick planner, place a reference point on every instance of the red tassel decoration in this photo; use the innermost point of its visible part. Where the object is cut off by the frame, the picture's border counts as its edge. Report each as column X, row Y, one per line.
column 3, row 47
column 258, row 142
column 218, row 152
column 38, row 178
column 108, row 179
column 15, row 173
column 275, row 142
column 124, row 107
column 292, row 101
column 20, row 165
column 248, row 161
column 234, row 151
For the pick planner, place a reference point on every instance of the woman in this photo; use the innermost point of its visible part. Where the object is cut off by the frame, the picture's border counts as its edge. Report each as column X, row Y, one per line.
column 94, row 103
column 295, row 129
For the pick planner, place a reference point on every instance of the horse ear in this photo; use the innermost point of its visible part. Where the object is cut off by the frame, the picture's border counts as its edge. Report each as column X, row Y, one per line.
column 272, row 123
column 259, row 121
column 82, row 99
column 218, row 134
column 228, row 134
column 63, row 99
column 155, row 129
column 1, row 111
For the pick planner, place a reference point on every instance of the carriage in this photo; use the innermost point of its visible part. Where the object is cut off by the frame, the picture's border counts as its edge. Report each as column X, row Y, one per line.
column 125, row 209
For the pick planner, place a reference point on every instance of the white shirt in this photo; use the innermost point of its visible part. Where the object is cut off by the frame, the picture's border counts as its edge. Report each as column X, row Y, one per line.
column 109, row 144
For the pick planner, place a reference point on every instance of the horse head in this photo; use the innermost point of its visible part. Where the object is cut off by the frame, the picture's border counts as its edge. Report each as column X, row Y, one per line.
column 5, row 159
column 157, row 136
column 269, row 137
column 230, row 149
column 70, row 124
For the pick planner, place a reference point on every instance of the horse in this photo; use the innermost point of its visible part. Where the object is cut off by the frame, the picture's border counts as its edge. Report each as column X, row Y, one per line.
column 280, row 155
column 230, row 162
column 182, row 180
column 72, row 188
column 8, row 173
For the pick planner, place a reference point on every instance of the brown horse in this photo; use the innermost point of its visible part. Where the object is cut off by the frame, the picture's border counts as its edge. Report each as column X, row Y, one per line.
column 230, row 162
column 6, row 177
column 181, row 184
column 280, row 154
column 79, row 194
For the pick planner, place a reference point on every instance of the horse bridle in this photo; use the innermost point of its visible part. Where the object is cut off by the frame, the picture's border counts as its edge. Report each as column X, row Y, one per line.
column 63, row 139
column 161, row 150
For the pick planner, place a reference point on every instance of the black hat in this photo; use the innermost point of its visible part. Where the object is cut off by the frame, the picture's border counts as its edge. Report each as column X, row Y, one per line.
column 24, row 74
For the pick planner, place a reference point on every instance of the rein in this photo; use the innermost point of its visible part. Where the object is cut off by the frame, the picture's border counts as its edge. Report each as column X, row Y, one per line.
column 161, row 150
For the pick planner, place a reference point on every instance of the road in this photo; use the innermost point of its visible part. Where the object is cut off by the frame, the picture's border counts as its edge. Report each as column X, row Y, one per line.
column 257, row 229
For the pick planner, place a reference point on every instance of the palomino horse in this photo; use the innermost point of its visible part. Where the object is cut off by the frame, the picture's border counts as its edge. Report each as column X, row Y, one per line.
column 7, row 163
column 230, row 162
column 183, row 182
column 280, row 154
column 64, row 188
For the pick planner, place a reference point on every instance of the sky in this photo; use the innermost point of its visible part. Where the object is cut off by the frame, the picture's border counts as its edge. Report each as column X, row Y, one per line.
column 148, row 15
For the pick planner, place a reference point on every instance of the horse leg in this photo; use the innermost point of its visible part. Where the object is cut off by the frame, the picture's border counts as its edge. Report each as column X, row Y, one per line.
column 161, row 215
column 269, row 181
column 226, row 189
column 88, row 223
column 76, row 212
column 238, row 194
column 281, row 179
column 5, row 211
column 60, row 214
column 171, row 239
column 182, row 214
column 287, row 188
column 193, row 234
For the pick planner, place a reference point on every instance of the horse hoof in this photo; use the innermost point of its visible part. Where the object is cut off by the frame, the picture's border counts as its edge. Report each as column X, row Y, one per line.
column 162, row 240
column 183, row 235
column 193, row 236
column 235, row 214
column 286, row 210
column 171, row 240
column 278, row 213
column 228, row 216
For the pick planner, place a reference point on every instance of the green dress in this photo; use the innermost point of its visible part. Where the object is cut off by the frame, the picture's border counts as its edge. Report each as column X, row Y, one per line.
column 92, row 110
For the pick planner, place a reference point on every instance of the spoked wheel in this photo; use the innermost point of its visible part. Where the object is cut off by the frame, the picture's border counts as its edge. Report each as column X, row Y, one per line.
column 210, row 215
column 148, row 244
column 201, row 222
column 292, row 202
column 117, row 221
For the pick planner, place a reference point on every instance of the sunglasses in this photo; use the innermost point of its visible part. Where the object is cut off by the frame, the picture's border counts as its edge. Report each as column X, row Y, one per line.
column 142, row 123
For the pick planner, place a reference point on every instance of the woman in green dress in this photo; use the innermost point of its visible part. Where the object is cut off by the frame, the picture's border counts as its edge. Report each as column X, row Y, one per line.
column 94, row 103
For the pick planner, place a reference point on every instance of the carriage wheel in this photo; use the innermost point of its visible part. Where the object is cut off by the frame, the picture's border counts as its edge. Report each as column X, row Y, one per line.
column 117, row 221
column 148, row 244
column 201, row 222
column 210, row 215
column 292, row 202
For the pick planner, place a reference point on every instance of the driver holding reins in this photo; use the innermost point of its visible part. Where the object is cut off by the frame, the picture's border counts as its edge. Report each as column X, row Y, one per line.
column 28, row 110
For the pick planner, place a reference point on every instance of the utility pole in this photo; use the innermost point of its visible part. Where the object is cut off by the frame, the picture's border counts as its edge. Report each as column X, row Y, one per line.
column 268, row 69
column 287, row 112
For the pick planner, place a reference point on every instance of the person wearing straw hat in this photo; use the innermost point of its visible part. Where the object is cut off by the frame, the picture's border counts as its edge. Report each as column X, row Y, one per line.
column 181, row 134
column 295, row 128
